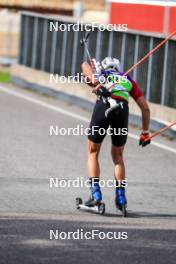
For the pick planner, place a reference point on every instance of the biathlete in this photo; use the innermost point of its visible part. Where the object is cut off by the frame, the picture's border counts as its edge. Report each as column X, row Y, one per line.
column 111, row 110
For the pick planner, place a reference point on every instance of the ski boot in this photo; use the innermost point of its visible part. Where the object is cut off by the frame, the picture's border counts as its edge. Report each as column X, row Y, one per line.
column 96, row 195
column 94, row 202
column 120, row 200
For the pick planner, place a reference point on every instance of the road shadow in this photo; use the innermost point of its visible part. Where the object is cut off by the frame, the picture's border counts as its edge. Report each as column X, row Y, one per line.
column 132, row 214
column 27, row 241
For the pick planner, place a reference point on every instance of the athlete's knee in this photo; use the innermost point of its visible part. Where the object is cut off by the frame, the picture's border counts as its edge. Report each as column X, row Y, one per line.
column 117, row 154
column 93, row 149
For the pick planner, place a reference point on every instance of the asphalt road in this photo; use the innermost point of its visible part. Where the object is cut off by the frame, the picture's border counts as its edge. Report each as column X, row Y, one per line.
column 30, row 208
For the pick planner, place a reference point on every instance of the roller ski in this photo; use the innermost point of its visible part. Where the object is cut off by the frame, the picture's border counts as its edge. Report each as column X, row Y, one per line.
column 120, row 201
column 94, row 203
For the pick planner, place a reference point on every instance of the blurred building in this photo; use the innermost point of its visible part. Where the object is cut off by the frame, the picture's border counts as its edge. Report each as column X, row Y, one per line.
column 56, row 4
column 151, row 16
column 87, row 10
column 9, row 36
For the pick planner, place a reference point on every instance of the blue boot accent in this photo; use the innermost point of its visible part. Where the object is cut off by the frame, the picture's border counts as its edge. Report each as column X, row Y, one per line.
column 120, row 197
column 96, row 191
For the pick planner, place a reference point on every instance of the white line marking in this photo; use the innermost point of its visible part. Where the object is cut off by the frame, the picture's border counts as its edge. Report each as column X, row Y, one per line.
column 76, row 116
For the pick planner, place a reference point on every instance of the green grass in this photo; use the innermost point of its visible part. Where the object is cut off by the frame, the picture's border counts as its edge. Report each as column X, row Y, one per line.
column 5, row 77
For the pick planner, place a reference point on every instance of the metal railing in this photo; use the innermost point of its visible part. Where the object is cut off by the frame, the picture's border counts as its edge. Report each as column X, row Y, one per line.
column 60, row 52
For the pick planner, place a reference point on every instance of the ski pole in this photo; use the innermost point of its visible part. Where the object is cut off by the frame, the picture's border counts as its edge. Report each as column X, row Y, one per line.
column 150, row 52
column 145, row 57
column 161, row 130
column 84, row 43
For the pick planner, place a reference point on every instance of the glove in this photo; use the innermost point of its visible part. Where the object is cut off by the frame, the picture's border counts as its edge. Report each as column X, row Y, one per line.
column 144, row 139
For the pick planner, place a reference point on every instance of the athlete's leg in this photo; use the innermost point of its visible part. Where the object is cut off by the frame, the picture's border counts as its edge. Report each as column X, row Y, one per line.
column 119, row 123
column 95, row 139
column 117, row 157
column 119, row 172
column 93, row 150
column 94, row 173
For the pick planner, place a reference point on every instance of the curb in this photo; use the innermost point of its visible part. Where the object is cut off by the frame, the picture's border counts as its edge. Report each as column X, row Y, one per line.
column 86, row 104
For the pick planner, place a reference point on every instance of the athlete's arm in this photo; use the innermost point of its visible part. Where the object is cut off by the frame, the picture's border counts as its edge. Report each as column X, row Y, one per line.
column 141, row 102
column 144, row 138
column 90, row 77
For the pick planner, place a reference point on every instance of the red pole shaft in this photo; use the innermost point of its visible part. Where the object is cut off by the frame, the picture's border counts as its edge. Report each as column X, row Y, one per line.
column 151, row 52
column 162, row 130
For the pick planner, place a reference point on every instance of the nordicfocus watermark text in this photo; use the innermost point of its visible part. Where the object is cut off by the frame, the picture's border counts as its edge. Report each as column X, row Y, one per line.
column 80, row 78
column 80, row 182
column 81, row 234
column 80, row 130
column 80, row 26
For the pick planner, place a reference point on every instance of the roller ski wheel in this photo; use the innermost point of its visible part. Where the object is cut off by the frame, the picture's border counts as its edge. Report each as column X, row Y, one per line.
column 96, row 208
column 78, row 202
column 122, row 209
column 101, row 208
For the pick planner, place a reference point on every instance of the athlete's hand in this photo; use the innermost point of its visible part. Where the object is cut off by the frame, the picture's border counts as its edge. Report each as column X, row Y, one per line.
column 92, row 63
column 144, row 139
